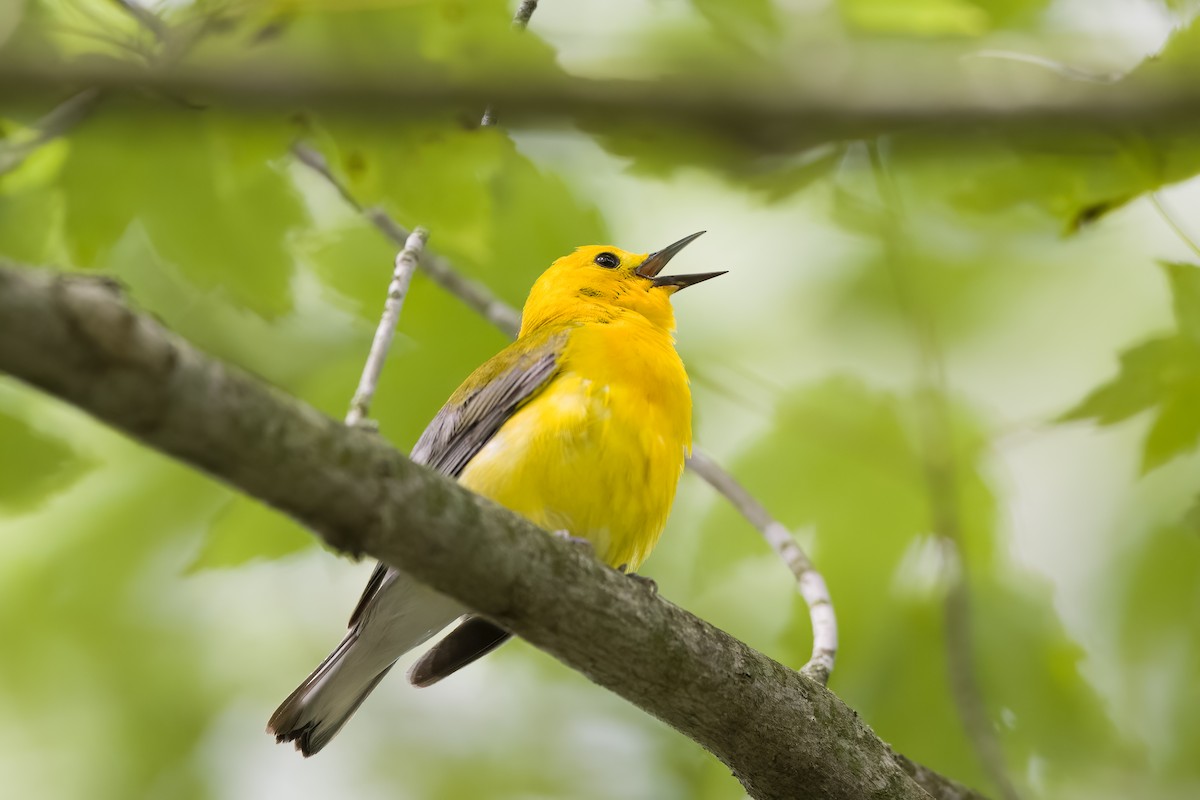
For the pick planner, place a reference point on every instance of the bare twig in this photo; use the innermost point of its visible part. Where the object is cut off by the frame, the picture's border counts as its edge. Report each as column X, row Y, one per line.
column 406, row 265
column 520, row 23
column 475, row 295
column 936, row 440
column 810, row 582
column 524, row 12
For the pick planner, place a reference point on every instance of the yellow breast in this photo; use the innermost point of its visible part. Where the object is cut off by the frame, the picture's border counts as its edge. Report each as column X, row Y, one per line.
column 598, row 452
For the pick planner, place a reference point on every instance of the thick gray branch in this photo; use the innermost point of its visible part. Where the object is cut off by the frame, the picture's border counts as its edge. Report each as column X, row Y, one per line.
column 782, row 735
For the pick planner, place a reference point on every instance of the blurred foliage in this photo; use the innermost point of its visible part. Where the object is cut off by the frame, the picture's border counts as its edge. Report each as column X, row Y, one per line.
column 1161, row 374
column 1015, row 261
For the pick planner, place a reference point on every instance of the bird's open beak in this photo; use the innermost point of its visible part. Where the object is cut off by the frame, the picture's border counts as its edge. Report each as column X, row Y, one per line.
column 655, row 262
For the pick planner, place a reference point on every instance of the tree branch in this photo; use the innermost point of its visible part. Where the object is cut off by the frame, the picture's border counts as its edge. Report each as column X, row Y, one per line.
column 475, row 295
column 782, row 735
column 763, row 114
column 808, row 580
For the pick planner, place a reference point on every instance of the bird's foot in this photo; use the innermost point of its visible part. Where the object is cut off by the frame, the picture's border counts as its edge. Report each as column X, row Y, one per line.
column 648, row 583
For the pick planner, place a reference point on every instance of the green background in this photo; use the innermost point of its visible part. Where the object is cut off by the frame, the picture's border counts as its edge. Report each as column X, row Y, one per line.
column 1008, row 304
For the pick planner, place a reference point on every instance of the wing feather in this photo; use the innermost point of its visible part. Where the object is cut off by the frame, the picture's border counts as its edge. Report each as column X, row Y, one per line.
column 474, row 413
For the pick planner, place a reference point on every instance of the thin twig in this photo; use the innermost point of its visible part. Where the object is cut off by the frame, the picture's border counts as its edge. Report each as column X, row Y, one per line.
column 65, row 116
column 810, row 582
column 1161, row 204
column 936, row 441
column 475, row 295
column 406, row 265
column 524, row 12
column 520, row 22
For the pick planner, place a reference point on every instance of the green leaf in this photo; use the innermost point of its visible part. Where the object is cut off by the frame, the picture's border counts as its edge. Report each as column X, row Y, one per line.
column 1185, row 295
column 246, row 530
column 1176, row 429
column 204, row 190
column 916, row 17
column 490, row 210
column 1157, row 603
column 35, row 465
column 455, row 38
column 1148, row 372
column 751, row 22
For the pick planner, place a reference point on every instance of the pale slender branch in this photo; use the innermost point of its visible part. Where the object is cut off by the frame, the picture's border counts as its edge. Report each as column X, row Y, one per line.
column 1159, row 203
column 939, row 463
column 524, row 12
column 406, row 265
column 782, row 735
column 520, row 23
column 808, row 580
column 473, row 294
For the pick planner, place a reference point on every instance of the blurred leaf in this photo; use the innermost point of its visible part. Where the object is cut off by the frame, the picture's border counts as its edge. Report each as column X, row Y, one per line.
column 497, row 216
column 457, row 38
column 1148, row 373
column 35, row 465
column 916, row 17
column 100, row 656
column 356, row 262
column 246, row 530
column 1185, row 294
column 205, row 192
column 750, row 21
column 30, row 205
column 1163, row 373
column 1158, row 602
column 10, row 17
column 1176, row 429
column 1074, row 179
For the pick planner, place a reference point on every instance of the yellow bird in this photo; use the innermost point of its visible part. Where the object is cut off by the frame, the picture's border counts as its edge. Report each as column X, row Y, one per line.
column 581, row 425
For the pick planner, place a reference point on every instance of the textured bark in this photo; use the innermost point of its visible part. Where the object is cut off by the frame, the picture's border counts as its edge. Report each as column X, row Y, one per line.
column 782, row 735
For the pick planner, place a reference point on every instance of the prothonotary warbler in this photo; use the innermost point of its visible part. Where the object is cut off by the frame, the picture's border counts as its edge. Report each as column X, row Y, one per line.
column 582, row 425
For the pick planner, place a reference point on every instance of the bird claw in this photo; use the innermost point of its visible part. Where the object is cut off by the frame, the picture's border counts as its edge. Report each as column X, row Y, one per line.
column 648, row 583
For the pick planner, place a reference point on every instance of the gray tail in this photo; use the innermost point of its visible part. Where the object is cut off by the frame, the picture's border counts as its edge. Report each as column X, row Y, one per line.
column 313, row 714
column 473, row 639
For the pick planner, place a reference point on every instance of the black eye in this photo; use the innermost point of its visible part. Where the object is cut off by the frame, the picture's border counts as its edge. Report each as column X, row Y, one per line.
column 608, row 261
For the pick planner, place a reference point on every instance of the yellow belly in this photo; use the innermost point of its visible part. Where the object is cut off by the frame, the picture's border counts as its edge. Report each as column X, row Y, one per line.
column 598, row 452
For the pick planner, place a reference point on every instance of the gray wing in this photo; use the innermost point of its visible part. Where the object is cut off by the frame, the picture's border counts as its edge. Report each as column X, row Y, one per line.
column 471, row 418
column 466, row 424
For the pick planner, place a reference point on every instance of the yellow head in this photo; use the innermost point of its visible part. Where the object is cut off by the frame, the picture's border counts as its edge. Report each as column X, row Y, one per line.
column 603, row 282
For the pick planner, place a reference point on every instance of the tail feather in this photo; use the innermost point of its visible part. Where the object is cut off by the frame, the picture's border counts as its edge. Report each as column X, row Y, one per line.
column 400, row 615
column 470, row 641
column 293, row 722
